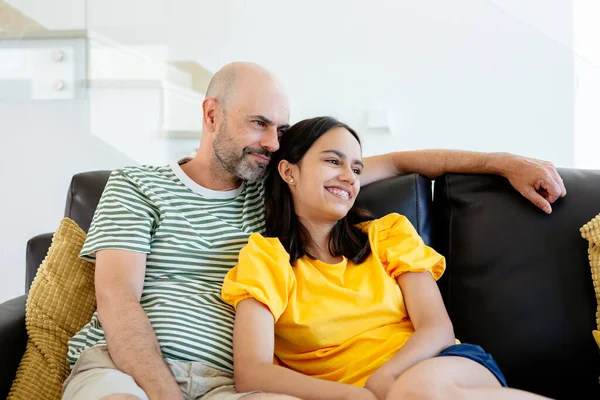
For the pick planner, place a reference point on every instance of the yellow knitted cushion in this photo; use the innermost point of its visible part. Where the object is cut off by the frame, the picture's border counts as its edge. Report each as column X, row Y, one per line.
column 591, row 232
column 61, row 301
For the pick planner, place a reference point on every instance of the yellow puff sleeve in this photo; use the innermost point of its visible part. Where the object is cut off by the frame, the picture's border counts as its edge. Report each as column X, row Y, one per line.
column 263, row 272
column 401, row 249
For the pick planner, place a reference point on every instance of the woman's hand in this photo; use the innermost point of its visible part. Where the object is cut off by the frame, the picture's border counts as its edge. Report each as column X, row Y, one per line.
column 380, row 384
column 358, row 393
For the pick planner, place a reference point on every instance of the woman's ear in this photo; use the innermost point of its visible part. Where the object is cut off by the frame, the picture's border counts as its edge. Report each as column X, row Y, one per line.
column 286, row 171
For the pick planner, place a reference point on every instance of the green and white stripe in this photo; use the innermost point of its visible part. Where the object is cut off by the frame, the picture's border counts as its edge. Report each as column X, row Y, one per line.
column 192, row 236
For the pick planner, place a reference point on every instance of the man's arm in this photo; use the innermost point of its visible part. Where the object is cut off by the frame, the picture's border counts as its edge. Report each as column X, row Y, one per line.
column 132, row 344
column 536, row 180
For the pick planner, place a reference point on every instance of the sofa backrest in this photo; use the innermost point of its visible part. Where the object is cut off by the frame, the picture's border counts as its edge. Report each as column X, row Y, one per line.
column 518, row 281
column 409, row 195
column 83, row 196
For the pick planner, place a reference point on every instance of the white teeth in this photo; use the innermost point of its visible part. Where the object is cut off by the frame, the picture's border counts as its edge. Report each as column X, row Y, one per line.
column 338, row 192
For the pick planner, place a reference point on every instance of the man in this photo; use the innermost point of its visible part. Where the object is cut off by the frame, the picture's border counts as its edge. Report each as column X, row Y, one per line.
column 164, row 237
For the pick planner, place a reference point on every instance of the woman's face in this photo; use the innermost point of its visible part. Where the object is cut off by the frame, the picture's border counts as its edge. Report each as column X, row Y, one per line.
column 325, row 182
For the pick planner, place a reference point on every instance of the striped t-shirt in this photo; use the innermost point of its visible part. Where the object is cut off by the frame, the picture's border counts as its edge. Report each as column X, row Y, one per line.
column 192, row 236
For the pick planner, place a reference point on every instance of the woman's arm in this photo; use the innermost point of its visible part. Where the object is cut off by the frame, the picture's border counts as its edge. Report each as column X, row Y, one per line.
column 253, row 347
column 433, row 329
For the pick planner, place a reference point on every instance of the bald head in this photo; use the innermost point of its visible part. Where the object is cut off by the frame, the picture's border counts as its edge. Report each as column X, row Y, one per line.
column 236, row 79
column 245, row 112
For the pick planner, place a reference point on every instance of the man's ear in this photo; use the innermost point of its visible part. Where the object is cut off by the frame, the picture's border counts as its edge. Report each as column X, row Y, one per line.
column 286, row 171
column 210, row 111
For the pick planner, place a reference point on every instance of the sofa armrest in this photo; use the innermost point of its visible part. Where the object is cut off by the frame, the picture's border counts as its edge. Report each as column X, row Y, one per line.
column 13, row 338
column 37, row 248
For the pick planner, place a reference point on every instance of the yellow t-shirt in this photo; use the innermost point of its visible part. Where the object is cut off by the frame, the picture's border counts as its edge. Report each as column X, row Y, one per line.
column 338, row 322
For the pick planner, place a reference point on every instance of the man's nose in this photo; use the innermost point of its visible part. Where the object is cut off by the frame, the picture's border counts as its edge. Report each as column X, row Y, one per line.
column 270, row 140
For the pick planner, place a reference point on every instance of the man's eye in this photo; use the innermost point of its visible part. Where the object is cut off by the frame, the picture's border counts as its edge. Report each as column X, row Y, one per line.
column 260, row 123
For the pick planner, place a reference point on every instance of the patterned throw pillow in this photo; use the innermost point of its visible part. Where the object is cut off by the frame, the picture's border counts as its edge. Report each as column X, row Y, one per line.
column 60, row 302
column 591, row 232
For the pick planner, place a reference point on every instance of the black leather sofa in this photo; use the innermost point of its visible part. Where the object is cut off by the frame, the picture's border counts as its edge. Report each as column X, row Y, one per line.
column 518, row 281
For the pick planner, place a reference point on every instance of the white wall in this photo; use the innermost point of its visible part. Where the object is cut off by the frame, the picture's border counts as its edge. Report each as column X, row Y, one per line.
column 462, row 74
column 586, row 44
column 42, row 144
column 131, row 120
column 491, row 76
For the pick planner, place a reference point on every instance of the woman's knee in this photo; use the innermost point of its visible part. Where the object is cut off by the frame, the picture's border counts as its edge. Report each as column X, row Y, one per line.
column 422, row 382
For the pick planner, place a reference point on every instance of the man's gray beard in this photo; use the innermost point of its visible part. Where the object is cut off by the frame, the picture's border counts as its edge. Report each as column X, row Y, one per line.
column 240, row 167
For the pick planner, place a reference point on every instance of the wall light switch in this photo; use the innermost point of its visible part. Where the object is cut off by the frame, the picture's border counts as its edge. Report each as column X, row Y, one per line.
column 380, row 121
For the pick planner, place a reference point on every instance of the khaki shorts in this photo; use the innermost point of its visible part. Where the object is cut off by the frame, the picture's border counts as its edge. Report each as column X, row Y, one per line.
column 95, row 376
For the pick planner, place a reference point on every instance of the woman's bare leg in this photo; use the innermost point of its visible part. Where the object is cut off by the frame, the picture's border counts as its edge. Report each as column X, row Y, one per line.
column 453, row 377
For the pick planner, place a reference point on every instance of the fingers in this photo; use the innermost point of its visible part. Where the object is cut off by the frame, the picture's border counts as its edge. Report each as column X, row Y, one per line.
column 552, row 188
column 539, row 201
column 551, row 169
column 561, row 183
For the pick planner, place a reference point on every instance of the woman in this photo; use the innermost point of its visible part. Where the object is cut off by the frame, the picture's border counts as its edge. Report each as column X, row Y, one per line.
column 332, row 303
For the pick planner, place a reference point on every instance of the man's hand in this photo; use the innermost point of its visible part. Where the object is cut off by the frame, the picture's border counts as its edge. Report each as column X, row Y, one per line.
column 536, row 180
column 380, row 384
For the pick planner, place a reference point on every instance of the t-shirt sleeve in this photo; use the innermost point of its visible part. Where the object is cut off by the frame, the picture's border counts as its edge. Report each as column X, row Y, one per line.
column 263, row 272
column 401, row 249
column 123, row 220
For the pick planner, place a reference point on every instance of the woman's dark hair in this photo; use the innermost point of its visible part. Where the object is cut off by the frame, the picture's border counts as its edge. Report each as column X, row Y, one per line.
column 281, row 221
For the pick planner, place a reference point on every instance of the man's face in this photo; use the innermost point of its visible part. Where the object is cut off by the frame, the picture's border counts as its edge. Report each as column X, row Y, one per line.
column 252, row 124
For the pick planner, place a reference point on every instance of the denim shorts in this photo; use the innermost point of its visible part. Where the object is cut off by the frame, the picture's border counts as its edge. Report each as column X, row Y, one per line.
column 477, row 354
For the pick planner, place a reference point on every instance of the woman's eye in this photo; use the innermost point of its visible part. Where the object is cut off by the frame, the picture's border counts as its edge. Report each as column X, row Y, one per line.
column 335, row 162
column 357, row 171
